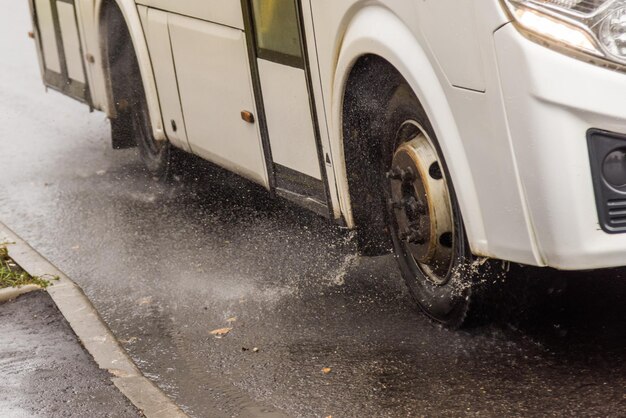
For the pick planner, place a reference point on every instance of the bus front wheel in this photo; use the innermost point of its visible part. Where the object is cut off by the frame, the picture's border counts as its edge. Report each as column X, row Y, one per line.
column 423, row 215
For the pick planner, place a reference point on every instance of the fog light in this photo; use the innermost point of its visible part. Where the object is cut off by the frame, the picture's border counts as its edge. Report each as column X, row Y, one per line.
column 614, row 168
column 607, row 155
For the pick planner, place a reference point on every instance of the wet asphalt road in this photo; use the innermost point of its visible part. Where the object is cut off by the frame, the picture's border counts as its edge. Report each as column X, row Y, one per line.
column 44, row 370
column 167, row 263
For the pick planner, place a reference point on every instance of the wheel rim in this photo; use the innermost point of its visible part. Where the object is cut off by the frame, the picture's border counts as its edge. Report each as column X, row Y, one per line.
column 420, row 204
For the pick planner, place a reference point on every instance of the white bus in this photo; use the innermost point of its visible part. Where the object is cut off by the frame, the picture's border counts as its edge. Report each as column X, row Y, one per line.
column 448, row 131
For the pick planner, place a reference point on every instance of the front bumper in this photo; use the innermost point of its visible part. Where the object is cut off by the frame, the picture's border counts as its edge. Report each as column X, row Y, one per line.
column 551, row 101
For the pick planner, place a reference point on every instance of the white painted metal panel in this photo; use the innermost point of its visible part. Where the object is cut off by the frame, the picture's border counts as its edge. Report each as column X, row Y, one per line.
column 83, row 10
column 90, row 42
column 158, row 38
column 47, row 35
column 71, row 41
column 288, row 115
column 318, row 94
column 224, row 12
column 450, row 30
column 549, row 112
column 215, row 86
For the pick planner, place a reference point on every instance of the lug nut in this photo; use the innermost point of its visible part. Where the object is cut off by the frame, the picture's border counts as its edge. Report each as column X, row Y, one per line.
column 407, row 175
column 393, row 204
column 394, row 174
column 414, row 205
column 400, row 174
column 410, row 203
column 413, row 237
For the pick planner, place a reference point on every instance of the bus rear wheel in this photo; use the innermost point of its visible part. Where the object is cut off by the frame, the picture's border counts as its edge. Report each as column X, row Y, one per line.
column 131, row 125
column 156, row 155
column 423, row 216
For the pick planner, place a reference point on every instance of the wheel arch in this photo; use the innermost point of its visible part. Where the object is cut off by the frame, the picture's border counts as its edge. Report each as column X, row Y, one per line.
column 375, row 31
column 130, row 14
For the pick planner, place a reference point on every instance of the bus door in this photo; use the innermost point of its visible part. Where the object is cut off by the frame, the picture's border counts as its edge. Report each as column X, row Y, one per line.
column 285, row 102
column 55, row 26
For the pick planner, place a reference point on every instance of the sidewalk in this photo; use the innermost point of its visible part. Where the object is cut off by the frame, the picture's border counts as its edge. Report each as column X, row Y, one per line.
column 27, row 353
column 45, row 371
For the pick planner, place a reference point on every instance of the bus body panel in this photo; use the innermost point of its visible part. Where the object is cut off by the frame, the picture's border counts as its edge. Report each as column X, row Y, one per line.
column 156, row 28
column 214, row 91
column 444, row 20
column 290, row 127
column 71, row 41
column 550, row 114
column 323, row 118
column 49, row 46
column 222, row 12
column 60, row 51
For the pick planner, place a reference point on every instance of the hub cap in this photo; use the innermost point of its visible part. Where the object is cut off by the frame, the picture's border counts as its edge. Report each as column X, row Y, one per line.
column 420, row 202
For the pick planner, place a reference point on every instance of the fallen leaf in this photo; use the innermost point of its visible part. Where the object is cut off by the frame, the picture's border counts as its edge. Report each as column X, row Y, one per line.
column 221, row 332
column 145, row 300
column 326, row 370
column 131, row 340
column 231, row 320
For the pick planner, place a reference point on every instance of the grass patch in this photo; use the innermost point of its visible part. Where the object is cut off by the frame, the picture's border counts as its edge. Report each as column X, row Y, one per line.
column 11, row 275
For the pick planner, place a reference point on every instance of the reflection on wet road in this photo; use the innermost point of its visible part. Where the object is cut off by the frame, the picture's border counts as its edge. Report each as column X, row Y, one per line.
column 165, row 264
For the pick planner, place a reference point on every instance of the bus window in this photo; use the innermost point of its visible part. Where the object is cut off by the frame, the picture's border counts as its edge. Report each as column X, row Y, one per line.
column 276, row 29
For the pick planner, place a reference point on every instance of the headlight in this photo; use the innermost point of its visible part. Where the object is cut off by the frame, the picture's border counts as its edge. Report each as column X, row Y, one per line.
column 595, row 28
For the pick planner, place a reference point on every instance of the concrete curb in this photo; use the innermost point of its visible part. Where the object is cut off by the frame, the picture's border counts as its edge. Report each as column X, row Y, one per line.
column 94, row 334
column 10, row 293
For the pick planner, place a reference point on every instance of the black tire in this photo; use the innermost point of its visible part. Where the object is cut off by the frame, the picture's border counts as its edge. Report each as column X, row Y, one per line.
column 155, row 155
column 449, row 299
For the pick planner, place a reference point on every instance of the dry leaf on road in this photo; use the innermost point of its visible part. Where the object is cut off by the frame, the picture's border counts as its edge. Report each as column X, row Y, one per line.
column 221, row 332
column 147, row 300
